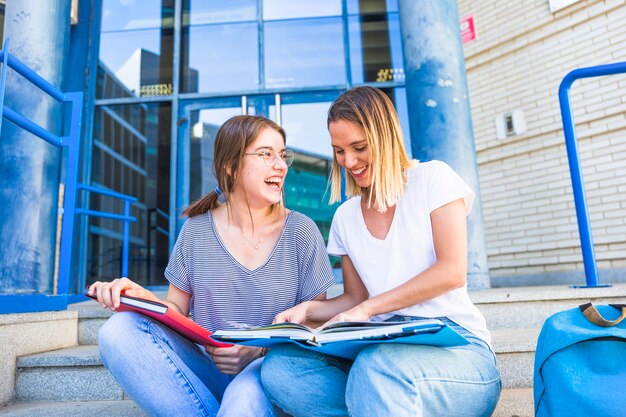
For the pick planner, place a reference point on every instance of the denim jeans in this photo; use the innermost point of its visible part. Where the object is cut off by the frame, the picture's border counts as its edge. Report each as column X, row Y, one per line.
column 169, row 376
column 386, row 380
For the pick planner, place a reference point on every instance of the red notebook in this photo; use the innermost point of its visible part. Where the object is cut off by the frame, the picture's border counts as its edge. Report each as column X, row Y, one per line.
column 170, row 317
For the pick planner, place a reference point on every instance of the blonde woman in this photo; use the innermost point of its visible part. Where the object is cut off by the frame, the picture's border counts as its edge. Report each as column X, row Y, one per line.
column 241, row 256
column 403, row 242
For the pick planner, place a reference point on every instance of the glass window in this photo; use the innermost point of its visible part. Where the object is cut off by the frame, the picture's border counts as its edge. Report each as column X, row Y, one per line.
column 131, row 155
column 304, row 53
column 293, row 9
column 136, row 45
column 305, row 185
column 372, row 6
column 204, row 126
column 219, row 58
column 201, row 12
column 305, row 124
column 375, row 48
column 2, row 7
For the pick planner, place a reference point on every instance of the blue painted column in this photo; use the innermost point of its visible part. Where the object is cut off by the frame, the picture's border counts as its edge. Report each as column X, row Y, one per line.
column 439, row 108
column 38, row 34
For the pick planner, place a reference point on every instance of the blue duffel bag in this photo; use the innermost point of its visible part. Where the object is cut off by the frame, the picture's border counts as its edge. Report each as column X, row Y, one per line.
column 580, row 363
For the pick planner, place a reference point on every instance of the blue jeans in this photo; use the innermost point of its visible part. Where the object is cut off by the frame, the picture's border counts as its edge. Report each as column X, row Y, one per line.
column 385, row 380
column 167, row 375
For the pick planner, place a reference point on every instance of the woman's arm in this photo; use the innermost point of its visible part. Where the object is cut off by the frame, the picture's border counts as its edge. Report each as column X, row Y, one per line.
column 449, row 271
column 178, row 299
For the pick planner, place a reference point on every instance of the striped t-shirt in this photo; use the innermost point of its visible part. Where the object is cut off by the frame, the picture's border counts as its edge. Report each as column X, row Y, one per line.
column 224, row 291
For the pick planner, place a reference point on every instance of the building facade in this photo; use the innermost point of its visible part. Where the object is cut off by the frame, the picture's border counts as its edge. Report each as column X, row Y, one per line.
column 160, row 76
column 521, row 53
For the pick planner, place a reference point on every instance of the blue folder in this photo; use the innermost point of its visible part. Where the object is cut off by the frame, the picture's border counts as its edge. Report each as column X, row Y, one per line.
column 433, row 335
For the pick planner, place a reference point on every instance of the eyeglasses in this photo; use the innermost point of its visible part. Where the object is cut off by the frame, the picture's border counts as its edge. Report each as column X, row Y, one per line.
column 270, row 158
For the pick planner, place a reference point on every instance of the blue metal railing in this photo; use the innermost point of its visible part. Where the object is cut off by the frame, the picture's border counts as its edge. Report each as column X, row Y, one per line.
column 14, row 303
column 584, row 228
column 126, row 217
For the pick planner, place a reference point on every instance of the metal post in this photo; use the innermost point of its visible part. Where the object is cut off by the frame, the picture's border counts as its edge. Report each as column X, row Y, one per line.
column 126, row 241
column 439, row 108
column 29, row 168
column 571, row 145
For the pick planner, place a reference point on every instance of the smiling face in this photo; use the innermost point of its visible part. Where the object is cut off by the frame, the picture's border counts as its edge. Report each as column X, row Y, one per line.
column 262, row 181
column 351, row 150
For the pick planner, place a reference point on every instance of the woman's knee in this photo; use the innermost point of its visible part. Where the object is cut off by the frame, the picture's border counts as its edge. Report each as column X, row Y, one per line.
column 117, row 332
column 277, row 368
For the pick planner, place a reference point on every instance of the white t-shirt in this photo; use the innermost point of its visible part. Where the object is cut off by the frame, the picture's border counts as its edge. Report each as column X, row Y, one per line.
column 408, row 248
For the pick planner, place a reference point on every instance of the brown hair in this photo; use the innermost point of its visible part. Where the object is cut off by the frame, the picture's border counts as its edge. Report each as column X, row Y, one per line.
column 231, row 141
column 371, row 109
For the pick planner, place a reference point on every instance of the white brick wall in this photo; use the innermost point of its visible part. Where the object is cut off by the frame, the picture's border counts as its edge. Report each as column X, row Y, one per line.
column 520, row 55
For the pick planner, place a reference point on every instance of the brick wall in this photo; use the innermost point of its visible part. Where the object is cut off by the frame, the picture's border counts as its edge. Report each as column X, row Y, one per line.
column 521, row 54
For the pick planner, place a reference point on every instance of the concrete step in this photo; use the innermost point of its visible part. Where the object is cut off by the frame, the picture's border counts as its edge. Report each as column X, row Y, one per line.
column 529, row 307
column 90, row 318
column 120, row 408
column 70, row 374
column 515, row 354
column 514, row 315
column 77, row 373
column 515, row 402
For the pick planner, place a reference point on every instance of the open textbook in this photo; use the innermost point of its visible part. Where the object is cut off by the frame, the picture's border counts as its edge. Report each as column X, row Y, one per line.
column 345, row 339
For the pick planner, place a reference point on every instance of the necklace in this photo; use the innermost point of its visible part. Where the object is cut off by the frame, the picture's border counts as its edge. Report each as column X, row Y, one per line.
column 255, row 244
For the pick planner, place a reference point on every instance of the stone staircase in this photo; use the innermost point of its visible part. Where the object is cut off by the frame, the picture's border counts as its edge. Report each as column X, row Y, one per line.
column 72, row 382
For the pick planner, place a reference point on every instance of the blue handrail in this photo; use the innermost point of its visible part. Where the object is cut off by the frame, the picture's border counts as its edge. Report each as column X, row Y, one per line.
column 72, row 143
column 584, row 227
column 126, row 217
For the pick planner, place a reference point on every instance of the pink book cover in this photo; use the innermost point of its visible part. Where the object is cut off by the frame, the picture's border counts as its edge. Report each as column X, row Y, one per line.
column 170, row 317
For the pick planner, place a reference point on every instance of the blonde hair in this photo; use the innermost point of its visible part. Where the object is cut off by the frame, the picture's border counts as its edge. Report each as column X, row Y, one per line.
column 231, row 141
column 372, row 111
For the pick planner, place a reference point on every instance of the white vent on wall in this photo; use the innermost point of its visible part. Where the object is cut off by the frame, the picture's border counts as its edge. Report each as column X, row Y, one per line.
column 510, row 124
column 556, row 5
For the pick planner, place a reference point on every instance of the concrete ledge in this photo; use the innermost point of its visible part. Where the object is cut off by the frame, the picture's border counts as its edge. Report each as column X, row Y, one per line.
column 124, row 408
column 73, row 356
column 28, row 333
column 545, row 293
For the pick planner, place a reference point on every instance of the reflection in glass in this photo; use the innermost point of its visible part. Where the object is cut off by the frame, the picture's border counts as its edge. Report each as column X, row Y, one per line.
column 305, row 185
column 304, row 53
column 305, row 190
column 120, row 15
column 293, row 9
column 305, row 124
column 204, row 126
column 372, row 6
column 2, row 7
column 131, row 155
column 136, row 48
column 375, row 48
column 201, row 12
column 218, row 58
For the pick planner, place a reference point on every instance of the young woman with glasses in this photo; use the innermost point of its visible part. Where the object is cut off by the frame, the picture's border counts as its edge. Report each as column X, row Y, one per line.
column 242, row 257
column 403, row 242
